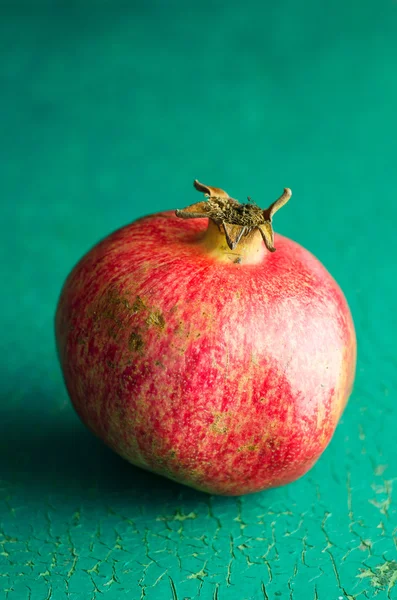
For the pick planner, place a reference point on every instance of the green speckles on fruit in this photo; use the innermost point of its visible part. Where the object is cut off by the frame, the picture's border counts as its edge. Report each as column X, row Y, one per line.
column 138, row 305
column 135, row 342
column 248, row 448
column 219, row 425
column 156, row 319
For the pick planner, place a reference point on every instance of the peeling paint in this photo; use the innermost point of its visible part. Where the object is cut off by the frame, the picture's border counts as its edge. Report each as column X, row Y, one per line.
column 383, row 576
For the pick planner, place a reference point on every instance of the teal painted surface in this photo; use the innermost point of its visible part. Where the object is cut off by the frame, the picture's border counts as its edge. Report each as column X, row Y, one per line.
column 108, row 111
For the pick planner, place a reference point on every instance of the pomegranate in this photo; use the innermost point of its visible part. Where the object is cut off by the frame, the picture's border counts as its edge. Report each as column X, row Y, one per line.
column 197, row 352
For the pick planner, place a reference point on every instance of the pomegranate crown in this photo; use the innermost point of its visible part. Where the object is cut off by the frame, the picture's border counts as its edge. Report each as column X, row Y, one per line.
column 237, row 220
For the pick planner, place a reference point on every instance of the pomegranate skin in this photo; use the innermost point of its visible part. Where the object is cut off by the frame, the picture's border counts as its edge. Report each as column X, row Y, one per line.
column 229, row 378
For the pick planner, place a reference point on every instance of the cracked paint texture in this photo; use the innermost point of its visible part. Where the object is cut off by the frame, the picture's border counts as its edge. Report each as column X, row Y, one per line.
column 76, row 521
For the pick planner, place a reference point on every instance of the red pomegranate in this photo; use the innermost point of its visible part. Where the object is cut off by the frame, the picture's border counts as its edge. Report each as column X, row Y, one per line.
column 196, row 352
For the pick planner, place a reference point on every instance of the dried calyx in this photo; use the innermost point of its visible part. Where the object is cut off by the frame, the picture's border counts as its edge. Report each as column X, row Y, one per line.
column 238, row 220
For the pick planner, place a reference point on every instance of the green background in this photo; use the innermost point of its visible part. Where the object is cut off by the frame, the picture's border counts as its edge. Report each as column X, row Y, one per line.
column 108, row 111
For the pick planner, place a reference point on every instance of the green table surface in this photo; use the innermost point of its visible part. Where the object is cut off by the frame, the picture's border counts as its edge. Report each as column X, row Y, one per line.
column 108, row 111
